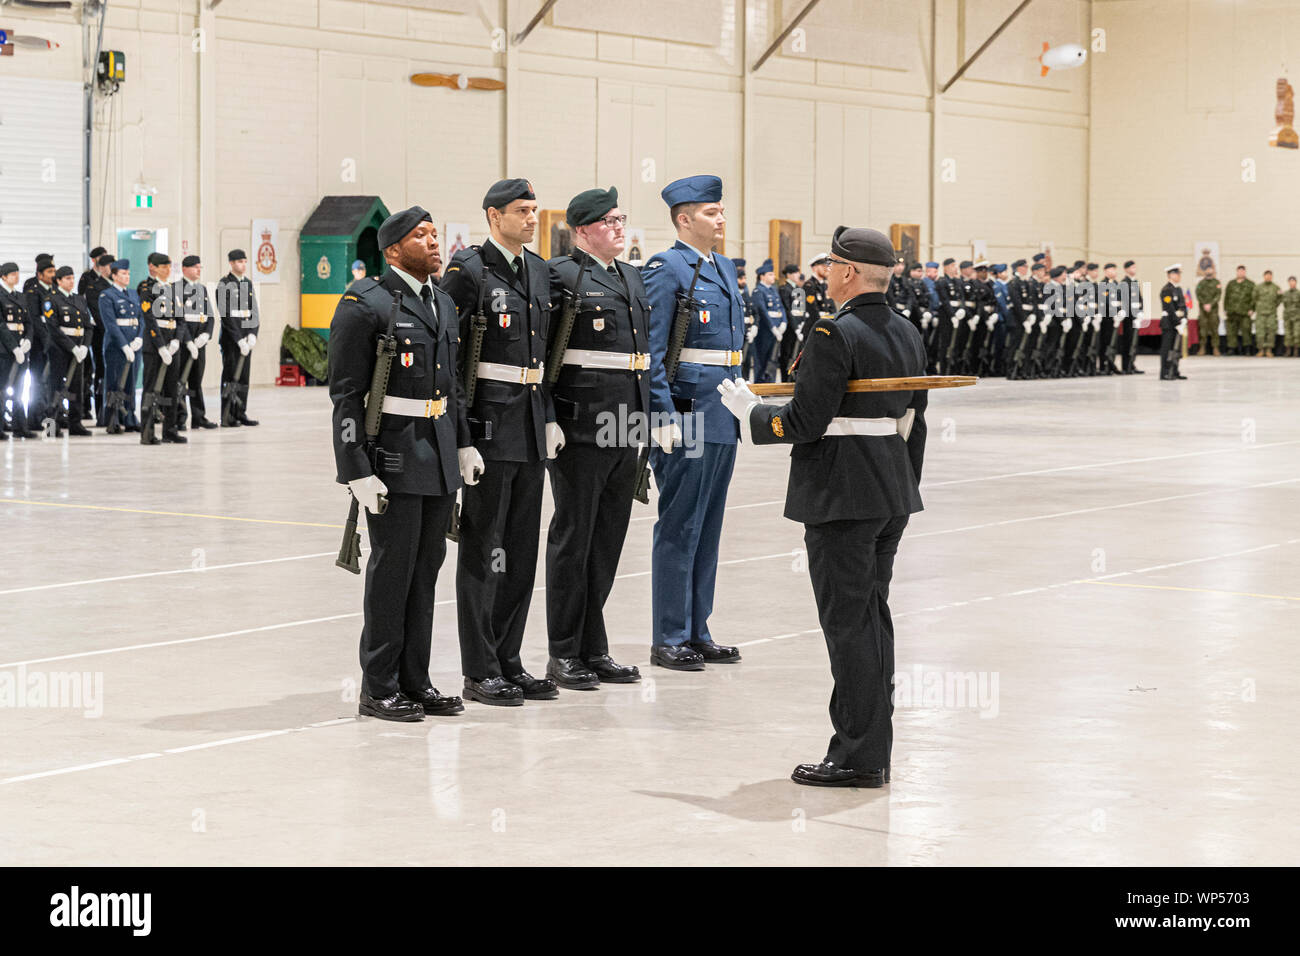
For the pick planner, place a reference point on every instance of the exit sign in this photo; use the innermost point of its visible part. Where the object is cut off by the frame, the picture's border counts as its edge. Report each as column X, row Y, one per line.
column 143, row 201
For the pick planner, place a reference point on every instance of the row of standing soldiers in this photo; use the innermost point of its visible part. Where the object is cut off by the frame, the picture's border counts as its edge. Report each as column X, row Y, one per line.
column 1249, row 311
column 86, row 347
column 778, row 317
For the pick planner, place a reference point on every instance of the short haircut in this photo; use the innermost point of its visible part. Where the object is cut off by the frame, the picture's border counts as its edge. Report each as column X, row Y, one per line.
column 683, row 207
column 876, row 278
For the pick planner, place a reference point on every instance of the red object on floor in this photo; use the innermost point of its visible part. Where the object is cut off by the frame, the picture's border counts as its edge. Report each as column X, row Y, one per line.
column 291, row 375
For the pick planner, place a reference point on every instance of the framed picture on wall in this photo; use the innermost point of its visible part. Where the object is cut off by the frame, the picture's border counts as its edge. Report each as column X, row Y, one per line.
column 1206, row 256
column 455, row 237
column 556, row 238
column 1047, row 248
column 784, row 242
column 634, row 251
column 979, row 249
column 906, row 237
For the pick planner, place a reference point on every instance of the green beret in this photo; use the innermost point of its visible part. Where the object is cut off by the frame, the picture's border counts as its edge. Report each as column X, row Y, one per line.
column 590, row 206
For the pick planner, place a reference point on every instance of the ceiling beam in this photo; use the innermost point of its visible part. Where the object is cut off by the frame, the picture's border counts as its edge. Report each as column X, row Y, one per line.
column 983, row 46
column 776, row 44
column 522, row 35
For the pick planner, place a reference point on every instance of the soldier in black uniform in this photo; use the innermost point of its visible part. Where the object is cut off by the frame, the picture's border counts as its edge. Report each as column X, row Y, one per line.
column 986, row 317
column 15, row 346
column 164, row 333
column 1131, row 292
column 970, row 318
column 922, row 316
column 1110, row 305
column 1173, row 324
column 36, row 293
column 1055, row 324
column 854, row 476
column 414, row 462
column 900, row 297
column 514, row 433
column 796, row 309
column 820, row 305
column 240, row 323
column 1020, row 320
column 92, row 282
column 70, row 327
column 751, row 330
column 200, row 324
column 602, row 403
column 952, row 310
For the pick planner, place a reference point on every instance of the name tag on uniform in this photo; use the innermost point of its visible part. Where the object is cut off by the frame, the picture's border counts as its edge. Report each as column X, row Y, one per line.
column 595, row 293
column 403, row 325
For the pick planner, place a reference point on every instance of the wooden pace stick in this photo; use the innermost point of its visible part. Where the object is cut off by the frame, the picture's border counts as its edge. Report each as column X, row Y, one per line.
column 915, row 384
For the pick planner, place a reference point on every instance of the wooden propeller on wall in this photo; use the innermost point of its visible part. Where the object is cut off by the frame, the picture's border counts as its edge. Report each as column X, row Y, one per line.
column 457, row 81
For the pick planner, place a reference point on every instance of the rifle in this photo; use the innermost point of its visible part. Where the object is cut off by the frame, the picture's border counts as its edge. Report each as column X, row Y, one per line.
column 914, row 383
column 641, row 489
column 152, row 399
column 560, row 344
column 686, row 305
column 116, row 399
column 385, row 352
column 230, row 394
column 469, row 381
column 65, row 391
column 182, row 386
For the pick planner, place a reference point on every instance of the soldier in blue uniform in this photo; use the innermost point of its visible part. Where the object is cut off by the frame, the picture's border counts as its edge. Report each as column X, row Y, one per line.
column 796, row 311
column 854, row 482
column 514, row 433
column 771, row 319
column 693, row 479
column 15, row 346
column 604, row 383
column 123, row 321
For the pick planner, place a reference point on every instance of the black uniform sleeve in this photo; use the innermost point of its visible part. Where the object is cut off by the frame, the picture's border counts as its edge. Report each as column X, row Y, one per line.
column 818, row 392
column 351, row 365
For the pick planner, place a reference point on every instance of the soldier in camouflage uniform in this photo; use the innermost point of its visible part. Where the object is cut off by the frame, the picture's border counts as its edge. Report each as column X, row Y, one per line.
column 1208, row 291
column 1291, row 317
column 1267, row 298
column 1238, row 300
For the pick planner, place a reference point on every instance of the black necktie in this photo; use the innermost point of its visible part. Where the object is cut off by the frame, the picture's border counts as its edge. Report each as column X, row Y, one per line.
column 426, row 294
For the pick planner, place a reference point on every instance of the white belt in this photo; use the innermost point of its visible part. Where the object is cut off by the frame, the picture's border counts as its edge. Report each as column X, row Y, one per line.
column 711, row 357
column 130, row 322
column 72, row 330
column 165, row 323
column 415, row 407
column 871, row 426
column 194, row 317
column 15, row 326
column 589, row 358
column 239, row 313
column 510, row 373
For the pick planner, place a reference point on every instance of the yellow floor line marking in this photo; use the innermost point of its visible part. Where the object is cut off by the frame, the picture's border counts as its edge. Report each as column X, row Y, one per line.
column 1170, row 587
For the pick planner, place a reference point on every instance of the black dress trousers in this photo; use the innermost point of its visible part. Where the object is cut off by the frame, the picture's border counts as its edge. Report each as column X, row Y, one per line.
column 407, row 546
column 500, row 526
column 593, row 502
column 851, row 563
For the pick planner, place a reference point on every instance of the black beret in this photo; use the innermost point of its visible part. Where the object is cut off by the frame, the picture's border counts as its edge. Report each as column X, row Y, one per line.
column 1058, row 271
column 1130, row 262
column 790, row 269
column 8, row 267
column 43, row 261
column 191, row 261
column 234, row 255
column 1018, row 263
column 1039, row 256
column 105, row 260
column 965, row 264
column 739, row 264
column 506, row 191
column 159, row 259
column 948, row 262
column 590, row 206
column 396, row 226
column 1036, row 266
column 1109, row 265
column 62, row 271
column 859, row 244
column 1092, row 265
column 1078, row 264
column 913, row 266
column 97, row 252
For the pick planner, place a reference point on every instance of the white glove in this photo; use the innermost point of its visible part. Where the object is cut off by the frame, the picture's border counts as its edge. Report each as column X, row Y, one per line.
column 992, row 321
column 174, row 346
column 202, row 339
column 27, row 346
column 130, row 355
column 554, row 439
column 1120, row 315
column 242, row 345
column 666, row 436
column 19, row 355
column 137, row 344
column 1067, row 325
column 252, row 340
column 958, row 316
column 926, row 316
column 739, row 400
column 1182, row 327
column 798, row 333
column 193, row 349
column 367, row 491
column 166, row 357
column 751, row 333
column 779, row 331
column 79, row 352
column 906, row 312
column 973, row 323
column 471, row 464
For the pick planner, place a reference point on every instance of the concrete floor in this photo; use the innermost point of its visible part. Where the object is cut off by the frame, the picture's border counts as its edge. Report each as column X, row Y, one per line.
column 1114, row 563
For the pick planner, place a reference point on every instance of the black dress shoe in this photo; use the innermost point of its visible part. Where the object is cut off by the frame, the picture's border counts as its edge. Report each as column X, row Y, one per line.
column 131, row 428
column 826, row 774
column 204, row 423
column 571, row 673
column 534, row 688
column 435, row 704
column 150, row 440
column 496, row 691
column 715, row 653
column 395, row 707
column 234, row 423
column 248, row 421
column 611, row 672
column 175, row 439
column 677, row 657
column 79, row 430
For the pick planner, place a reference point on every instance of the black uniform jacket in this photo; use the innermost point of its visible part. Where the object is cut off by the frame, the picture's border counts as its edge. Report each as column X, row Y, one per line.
column 613, row 316
column 517, row 307
column 423, row 369
column 851, row 477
